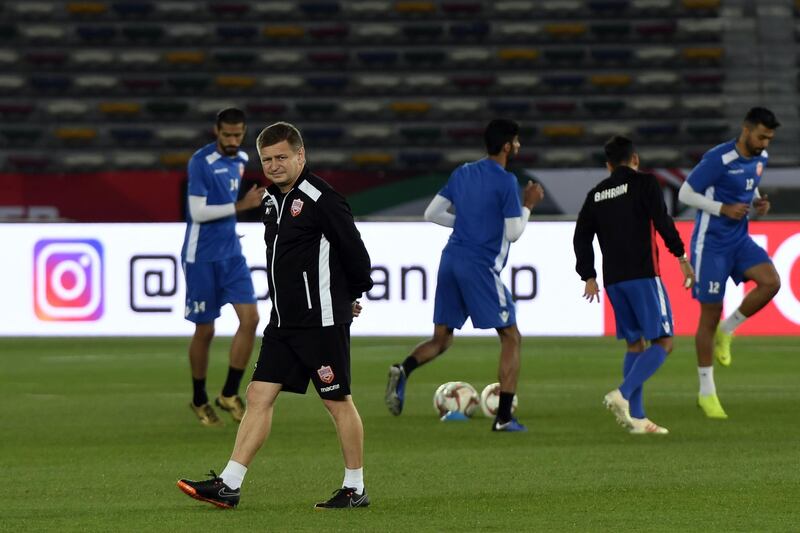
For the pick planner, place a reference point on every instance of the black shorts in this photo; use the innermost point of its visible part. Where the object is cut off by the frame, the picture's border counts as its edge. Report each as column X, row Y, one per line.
column 290, row 356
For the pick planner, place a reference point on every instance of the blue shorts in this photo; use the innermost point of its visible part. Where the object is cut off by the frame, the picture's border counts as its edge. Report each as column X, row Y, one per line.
column 210, row 285
column 466, row 288
column 641, row 308
column 713, row 266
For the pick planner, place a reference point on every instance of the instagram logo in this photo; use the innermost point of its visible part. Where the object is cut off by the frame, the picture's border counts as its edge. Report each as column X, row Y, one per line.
column 68, row 279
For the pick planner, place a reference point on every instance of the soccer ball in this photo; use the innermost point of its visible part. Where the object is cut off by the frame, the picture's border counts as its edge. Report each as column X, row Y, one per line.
column 455, row 396
column 490, row 400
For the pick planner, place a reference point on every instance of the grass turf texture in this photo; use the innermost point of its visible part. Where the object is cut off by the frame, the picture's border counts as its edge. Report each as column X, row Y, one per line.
column 96, row 432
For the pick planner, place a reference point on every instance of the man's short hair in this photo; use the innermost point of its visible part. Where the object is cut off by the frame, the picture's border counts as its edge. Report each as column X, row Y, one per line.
column 279, row 132
column 230, row 115
column 619, row 150
column 499, row 132
column 761, row 115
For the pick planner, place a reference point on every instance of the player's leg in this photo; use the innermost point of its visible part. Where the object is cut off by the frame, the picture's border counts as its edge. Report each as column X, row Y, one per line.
column 635, row 404
column 707, row 398
column 508, row 376
column 449, row 313
column 350, row 431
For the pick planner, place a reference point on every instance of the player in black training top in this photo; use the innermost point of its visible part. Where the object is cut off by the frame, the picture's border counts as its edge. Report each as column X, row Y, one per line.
column 625, row 211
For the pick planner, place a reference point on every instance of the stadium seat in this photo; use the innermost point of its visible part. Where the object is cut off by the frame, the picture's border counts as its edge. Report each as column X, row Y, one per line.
column 653, row 105
column 376, row 32
column 282, row 82
column 362, row 108
column 705, row 29
column 470, row 30
column 237, row 34
column 425, row 159
column 657, row 29
column 329, row 9
column 138, row 59
column 208, row 109
column 410, row 107
column 660, row 157
column 241, row 58
column 10, row 83
column 143, row 33
column 377, row 82
column 8, row 33
column 605, row 129
column 92, row 58
column 457, row 157
column 565, row 30
column 33, row 10
column 175, row 159
column 424, row 82
column 621, row 56
column 465, row 134
column 280, row 57
column 143, row 84
column 130, row 159
column 82, row 161
column 182, row 10
column 513, row 108
column 424, row 57
column 655, row 55
column 231, row 10
column 700, row 5
column 188, row 33
column 59, row 109
column 468, row 56
column 518, row 82
column 420, row 134
column 703, row 105
column 50, row 83
column 189, row 83
column 332, row 158
column 82, row 135
column 235, row 83
column 46, row 59
column 462, row 8
column 323, row 134
column 30, row 162
column 20, row 136
column 372, row 159
column 513, row 8
column 703, row 55
column 284, row 32
column 611, row 81
column 612, row 31
column 605, row 106
column 658, row 130
column 423, row 31
column 331, row 32
column 131, row 136
column 415, row 8
column 556, row 107
column 653, row 7
column 139, row 9
column 13, row 111
column 86, row 8
column 369, row 8
column 564, row 56
column 518, row 31
column 608, row 7
column 328, row 58
column 328, row 82
column 167, row 108
column 370, row 132
column 473, row 82
column 185, row 58
column 561, row 8
column 707, row 130
column 563, row 158
column 95, row 82
column 96, row 34
column 317, row 108
column 42, row 33
column 120, row 109
column 460, row 106
column 518, row 55
column 8, row 59
column 559, row 82
column 556, row 132
column 704, row 80
column 266, row 109
column 378, row 57
column 656, row 80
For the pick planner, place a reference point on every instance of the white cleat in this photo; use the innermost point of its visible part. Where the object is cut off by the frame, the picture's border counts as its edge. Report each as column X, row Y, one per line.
column 645, row 426
column 618, row 405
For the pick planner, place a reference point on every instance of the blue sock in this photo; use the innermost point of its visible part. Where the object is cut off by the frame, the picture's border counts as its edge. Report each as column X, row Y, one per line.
column 645, row 366
column 635, row 401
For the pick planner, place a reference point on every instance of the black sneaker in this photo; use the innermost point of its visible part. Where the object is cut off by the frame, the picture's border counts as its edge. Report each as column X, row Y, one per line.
column 213, row 491
column 344, row 498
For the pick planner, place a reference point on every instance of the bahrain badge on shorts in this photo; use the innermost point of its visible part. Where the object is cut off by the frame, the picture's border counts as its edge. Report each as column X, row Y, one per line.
column 325, row 373
column 297, row 206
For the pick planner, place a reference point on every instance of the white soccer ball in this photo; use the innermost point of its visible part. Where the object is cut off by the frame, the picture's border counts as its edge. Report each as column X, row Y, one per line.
column 490, row 400
column 455, row 396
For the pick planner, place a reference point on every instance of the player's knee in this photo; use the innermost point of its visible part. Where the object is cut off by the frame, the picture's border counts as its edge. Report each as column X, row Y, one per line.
column 443, row 342
column 772, row 284
column 249, row 321
column 257, row 398
column 204, row 332
column 666, row 343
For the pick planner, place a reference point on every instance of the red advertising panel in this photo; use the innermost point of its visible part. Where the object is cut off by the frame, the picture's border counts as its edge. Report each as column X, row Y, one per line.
column 779, row 317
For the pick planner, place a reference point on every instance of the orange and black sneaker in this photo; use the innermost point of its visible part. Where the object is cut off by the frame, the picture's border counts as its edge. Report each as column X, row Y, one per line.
column 213, row 491
column 345, row 498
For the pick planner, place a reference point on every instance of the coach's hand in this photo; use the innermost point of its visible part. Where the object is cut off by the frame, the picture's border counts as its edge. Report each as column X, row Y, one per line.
column 356, row 308
column 532, row 194
column 762, row 205
column 251, row 198
column 734, row 211
column 687, row 271
column 591, row 290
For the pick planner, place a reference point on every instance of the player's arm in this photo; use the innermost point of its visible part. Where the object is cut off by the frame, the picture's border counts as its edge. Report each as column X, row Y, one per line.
column 338, row 226
column 582, row 241
column 437, row 212
column 202, row 212
column 703, row 176
column 514, row 226
column 761, row 203
column 665, row 227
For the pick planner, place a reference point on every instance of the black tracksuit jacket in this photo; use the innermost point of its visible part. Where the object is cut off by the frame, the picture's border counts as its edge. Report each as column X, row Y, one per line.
column 624, row 210
column 317, row 264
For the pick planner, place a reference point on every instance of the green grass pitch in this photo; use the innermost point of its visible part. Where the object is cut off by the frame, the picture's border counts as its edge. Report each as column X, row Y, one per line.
column 94, row 434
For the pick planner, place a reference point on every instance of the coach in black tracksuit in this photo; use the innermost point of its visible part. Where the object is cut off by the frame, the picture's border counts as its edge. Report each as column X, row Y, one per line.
column 625, row 211
column 318, row 267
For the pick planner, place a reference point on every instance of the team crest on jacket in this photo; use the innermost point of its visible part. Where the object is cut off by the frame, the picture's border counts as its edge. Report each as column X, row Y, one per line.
column 297, row 206
column 325, row 373
column 241, row 170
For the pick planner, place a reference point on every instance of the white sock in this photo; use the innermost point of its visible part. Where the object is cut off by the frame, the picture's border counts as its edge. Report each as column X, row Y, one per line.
column 732, row 322
column 354, row 478
column 233, row 475
column 706, row 374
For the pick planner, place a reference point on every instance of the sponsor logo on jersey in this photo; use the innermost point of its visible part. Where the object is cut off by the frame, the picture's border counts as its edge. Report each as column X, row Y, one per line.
column 736, row 171
column 759, row 168
column 613, row 192
column 220, row 170
column 325, row 373
column 329, row 389
column 297, row 206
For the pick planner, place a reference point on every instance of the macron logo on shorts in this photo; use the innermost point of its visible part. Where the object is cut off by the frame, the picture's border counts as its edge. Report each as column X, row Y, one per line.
column 330, row 388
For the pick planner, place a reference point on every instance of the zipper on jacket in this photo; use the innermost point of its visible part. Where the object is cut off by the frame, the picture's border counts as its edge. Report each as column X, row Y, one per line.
column 308, row 293
column 274, row 249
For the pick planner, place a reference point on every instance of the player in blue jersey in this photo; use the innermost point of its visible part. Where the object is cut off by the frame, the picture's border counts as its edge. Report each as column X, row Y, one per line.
column 722, row 187
column 213, row 264
column 488, row 217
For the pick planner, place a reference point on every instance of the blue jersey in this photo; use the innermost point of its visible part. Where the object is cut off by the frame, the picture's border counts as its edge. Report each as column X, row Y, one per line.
column 217, row 178
column 484, row 195
column 725, row 176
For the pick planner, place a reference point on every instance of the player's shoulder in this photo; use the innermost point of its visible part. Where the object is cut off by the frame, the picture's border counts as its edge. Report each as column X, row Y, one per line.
column 723, row 154
column 207, row 154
